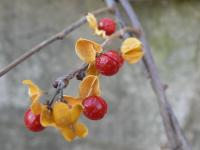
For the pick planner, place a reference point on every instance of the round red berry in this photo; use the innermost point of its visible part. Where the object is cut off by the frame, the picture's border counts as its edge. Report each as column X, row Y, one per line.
column 109, row 63
column 94, row 107
column 108, row 25
column 32, row 121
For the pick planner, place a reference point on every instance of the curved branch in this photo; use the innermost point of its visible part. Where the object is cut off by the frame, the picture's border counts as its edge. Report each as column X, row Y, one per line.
column 176, row 138
column 58, row 36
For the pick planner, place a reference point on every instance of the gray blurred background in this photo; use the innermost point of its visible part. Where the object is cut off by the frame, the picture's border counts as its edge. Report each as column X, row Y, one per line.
column 133, row 121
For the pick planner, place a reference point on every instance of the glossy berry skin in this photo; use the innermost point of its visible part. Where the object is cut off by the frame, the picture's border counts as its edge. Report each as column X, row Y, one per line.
column 32, row 121
column 94, row 107
column 108, row 25
column 109, row 63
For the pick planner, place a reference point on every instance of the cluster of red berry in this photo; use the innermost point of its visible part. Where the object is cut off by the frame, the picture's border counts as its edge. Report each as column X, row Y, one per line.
column 108, row 64
column 94, row 107
column 64, row 112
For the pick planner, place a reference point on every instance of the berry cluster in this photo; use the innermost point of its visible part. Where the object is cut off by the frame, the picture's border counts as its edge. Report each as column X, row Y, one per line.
column 63, row 111
column 94, row 108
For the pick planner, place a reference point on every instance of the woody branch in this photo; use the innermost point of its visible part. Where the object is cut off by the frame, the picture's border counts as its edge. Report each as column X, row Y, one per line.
column 175, row 136
column 174, row 133
column 50, row 40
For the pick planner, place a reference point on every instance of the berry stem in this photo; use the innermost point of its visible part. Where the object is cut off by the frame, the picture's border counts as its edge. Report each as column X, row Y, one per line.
column 120, row 33
column 53, row 98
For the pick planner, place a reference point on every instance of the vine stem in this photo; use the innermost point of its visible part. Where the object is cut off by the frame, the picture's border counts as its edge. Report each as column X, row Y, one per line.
column 175, row 136
column 56, row 37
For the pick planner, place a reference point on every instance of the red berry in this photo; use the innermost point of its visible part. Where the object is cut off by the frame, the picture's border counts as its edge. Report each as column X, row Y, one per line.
column 108, row 25
column 109, row 63
column 32, row 121
column 95, row 107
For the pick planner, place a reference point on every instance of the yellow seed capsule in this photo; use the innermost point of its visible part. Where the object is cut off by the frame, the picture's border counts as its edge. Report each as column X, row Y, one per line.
column 89, row 86
column 46, row 117
column 86, row 50
column 81, row 130
column 67, row 133
column 61, row 114
column 36, row 106
column 131, row 50
column 92, row 21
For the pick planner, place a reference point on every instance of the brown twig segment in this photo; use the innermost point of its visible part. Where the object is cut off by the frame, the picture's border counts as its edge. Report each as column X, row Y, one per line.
column 120, row 33
column 58, row 36
column 62, row 82
column 176, row 138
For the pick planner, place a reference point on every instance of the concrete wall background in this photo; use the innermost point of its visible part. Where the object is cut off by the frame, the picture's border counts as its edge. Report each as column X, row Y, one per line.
column 133, row 121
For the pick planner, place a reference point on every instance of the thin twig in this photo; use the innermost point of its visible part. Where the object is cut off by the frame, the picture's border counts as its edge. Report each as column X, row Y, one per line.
column 176, row 137
column 63, row 81
column 50, row 102
column 58, row 36
column 173, row 131
column 120, row 33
